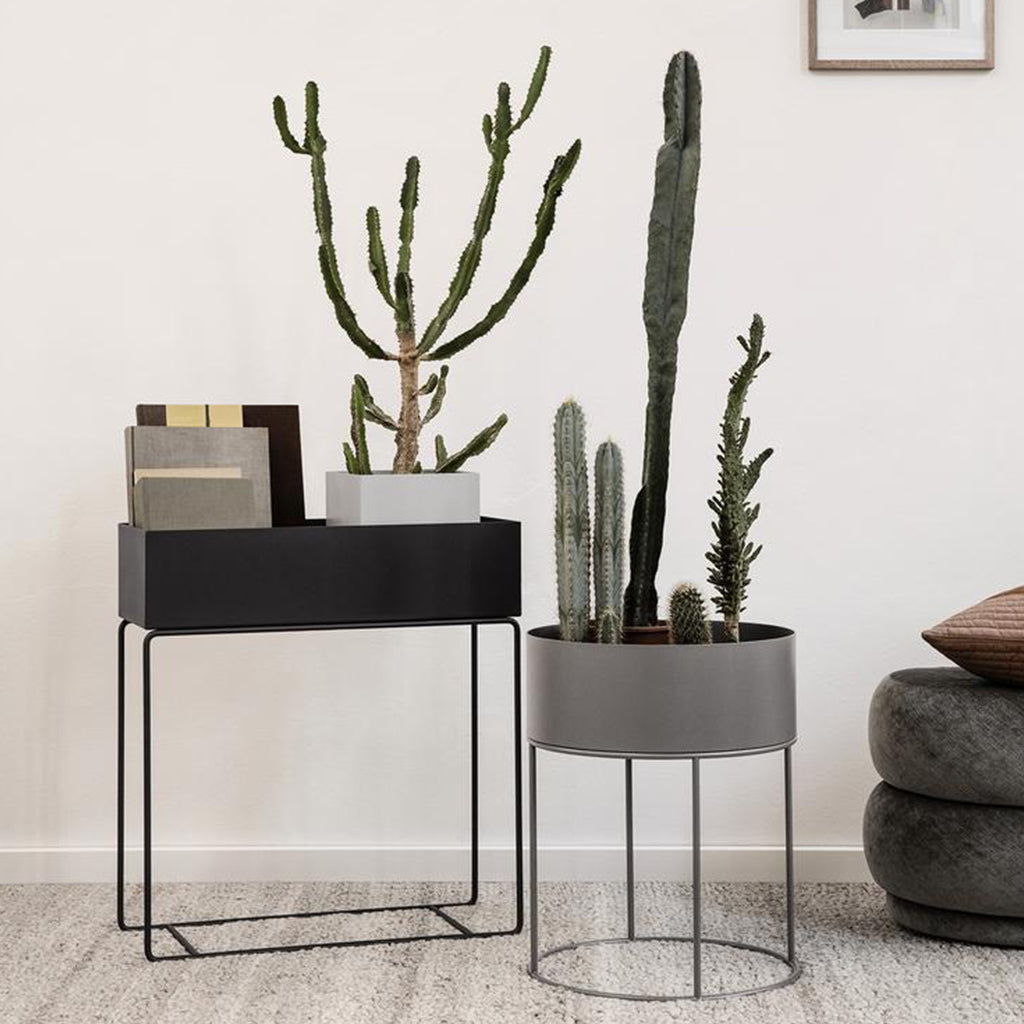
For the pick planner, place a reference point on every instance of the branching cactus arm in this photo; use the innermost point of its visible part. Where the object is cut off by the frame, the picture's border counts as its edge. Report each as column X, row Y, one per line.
column 545, row 221
column 313, row 146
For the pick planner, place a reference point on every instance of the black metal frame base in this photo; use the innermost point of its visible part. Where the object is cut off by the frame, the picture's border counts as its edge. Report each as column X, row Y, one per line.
column 697, row 940
column 439, row 909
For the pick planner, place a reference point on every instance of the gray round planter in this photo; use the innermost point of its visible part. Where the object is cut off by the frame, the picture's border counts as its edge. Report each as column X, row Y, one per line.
column 659, row 701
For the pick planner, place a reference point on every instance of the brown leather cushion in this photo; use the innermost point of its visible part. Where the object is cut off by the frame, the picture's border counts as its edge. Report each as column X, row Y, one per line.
column 987, row 639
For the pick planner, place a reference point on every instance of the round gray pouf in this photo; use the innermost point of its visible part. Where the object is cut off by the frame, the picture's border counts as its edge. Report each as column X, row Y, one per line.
column 946, row 854
column 942, row 732
column 957, row 925
column 944, row 833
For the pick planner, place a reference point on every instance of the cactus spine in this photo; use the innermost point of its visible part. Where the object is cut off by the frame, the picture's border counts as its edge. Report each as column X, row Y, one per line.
column 572, row 522
column 669, row 243
column 411, row 350
column 609, row 543
column 687, row 616
column 732, row 553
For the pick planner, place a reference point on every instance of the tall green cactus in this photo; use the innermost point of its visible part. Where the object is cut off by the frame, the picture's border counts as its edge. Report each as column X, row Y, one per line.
column 572, row 522
column 411, row 351
column 687, row 616
column 669, row 243
column 732, row 553
column 609, row 543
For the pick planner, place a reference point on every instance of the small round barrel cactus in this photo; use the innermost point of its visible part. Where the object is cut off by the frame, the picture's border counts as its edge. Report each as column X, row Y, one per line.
column 687, row 616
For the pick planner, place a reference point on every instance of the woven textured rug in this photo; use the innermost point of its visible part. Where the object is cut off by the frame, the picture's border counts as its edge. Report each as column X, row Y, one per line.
column 62, row 959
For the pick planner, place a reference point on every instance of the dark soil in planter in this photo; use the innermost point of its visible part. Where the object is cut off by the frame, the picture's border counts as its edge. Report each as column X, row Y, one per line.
column 657, row 634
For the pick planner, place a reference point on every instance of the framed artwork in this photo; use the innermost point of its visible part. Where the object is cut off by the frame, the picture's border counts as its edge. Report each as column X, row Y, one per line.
column 901, row 35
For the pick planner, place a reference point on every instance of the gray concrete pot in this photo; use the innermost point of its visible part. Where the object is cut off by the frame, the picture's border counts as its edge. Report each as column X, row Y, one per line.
column 397, row 499
column 656, row 701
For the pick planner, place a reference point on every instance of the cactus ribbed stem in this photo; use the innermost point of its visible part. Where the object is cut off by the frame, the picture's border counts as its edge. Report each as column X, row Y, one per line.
column 609, row 542
column 572, row 523
column 407, row 447
column 669, row 244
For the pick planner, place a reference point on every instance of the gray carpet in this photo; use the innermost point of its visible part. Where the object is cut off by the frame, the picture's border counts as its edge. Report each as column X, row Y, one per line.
column 62, row 959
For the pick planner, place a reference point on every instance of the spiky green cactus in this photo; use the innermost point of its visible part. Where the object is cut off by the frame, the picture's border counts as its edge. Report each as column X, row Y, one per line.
column 732, row 552
column 572, row 522
column 357, row 457
column 411, row 350
column 687, row 616
column 669, row 242
column 609, row 543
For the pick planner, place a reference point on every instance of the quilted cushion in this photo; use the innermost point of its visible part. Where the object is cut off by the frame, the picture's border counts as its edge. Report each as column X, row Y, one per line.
column 987, row 639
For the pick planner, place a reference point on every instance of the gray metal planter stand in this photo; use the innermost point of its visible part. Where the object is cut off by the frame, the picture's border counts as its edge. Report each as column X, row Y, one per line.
column 582, row 702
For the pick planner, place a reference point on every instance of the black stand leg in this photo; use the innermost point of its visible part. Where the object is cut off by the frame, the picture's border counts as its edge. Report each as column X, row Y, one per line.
column 121, row 923
column 147, row 801
column 172, row 928
column 474, row 758
column 517, row 762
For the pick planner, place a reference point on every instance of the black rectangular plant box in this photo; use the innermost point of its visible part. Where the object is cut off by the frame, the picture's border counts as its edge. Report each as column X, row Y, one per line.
column 315, row 574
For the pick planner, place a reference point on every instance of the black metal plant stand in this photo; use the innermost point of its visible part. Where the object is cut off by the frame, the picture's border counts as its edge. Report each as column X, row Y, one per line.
column 442, row 910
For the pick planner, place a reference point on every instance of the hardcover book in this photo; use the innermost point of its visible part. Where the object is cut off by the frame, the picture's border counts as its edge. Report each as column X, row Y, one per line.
column 194, row 503
column 238, row 451
column 287, row 498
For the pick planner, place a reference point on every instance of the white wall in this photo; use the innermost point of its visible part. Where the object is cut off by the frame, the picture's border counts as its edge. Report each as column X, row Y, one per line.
column 157, row 246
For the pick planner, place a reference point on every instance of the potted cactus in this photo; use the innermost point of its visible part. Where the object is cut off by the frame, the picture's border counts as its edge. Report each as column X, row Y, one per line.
column 413, row 490
column 611, row 675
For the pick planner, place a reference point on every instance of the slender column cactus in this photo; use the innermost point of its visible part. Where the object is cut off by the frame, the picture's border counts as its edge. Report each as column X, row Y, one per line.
column 411, row 351
column 609, row 543
column 687, row 616
column 732, row 553
column 669, row 243
column 572, row 522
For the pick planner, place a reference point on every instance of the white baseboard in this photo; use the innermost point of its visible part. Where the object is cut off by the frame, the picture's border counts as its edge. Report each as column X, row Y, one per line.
column 434, row 864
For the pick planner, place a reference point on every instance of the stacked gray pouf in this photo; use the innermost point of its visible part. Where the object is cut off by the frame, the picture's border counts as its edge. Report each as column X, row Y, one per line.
column 944, row 831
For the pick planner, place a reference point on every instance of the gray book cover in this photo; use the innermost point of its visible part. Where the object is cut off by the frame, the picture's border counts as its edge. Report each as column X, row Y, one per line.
column 244, row 448
column 194, row 503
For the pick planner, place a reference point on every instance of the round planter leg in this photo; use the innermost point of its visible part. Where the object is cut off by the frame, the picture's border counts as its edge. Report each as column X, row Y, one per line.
column 696, row 939
column 790, row 900
column 630, row 875
column 534, row 923
column 697, row 907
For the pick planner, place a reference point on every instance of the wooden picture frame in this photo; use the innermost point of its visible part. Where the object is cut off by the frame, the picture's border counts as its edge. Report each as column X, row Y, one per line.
column 817, row 62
